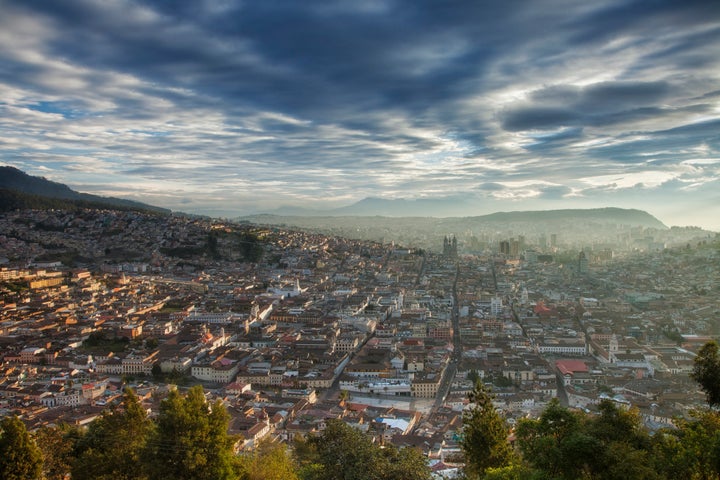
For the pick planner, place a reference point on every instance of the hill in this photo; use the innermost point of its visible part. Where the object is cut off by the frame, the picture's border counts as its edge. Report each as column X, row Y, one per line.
column 459, row 208
column 543, row 220
column 620, row 216
column 20, row 190
column 577, row 226
column 396, row 207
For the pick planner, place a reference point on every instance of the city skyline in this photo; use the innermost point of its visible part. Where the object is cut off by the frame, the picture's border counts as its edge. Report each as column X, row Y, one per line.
column 229, row 108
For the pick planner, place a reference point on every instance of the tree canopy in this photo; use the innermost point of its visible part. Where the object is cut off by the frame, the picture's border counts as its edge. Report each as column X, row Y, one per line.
column 341, row 452
column 485, row 435
column 113, row 444
column 706, row 371
column 20, row 457
column 190, row 440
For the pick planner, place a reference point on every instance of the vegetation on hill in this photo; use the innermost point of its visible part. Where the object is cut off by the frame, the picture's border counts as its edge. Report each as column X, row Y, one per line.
column 189, row 440
column 14, row 200
column 19, row 190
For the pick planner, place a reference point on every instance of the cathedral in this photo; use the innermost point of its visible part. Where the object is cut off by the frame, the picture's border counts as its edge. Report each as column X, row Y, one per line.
column 450, row 247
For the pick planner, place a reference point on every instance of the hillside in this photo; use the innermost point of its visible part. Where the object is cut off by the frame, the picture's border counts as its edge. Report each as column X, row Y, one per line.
column 453, row 209
column 19, row 190
column 620, row 216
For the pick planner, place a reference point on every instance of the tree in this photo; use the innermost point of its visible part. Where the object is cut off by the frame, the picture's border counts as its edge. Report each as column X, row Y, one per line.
column 404, row 464
column 20, row 457
column 113, row 445
column 692, row 450
column 474, row 376
column 706, row 372
column 485, row 435
column 615, row 424
column 57, row 446
column 549, row 442
column 345, row 453
column 191, row 440
column 270, row 461
column 344, row 396
column 564, row 444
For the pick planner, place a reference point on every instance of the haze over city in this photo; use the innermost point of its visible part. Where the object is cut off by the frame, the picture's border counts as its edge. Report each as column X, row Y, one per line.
column 228, row 108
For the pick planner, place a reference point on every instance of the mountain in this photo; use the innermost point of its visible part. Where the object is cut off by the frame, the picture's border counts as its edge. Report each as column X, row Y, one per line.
column 609, row 226
column 21, row 189
column 401, row 207
column 541, row 218
column 449, row 208
column 620, row 216
column 397, row 207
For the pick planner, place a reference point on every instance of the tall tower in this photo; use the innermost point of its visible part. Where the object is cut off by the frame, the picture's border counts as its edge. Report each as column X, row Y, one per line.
column 505, row 247
column 613, row 348
column 582, row 263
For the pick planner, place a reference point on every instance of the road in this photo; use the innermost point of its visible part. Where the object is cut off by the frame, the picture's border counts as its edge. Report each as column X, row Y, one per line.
column 456, row 356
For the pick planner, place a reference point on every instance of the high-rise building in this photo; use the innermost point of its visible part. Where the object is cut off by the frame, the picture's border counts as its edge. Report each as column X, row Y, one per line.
column 514, row 248
column 582, row 263
column 505, row 247
column 496, row 305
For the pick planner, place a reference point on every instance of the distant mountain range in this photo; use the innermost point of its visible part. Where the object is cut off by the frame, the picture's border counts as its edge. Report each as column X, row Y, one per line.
column 444, row 208
column 397, row 207
column 20, row 190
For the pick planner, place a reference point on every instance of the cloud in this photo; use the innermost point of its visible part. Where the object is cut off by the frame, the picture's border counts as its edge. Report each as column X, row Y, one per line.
column 266, row 103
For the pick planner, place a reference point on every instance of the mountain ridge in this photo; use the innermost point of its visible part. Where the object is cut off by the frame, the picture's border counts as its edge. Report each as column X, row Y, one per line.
column 603, row 214
column 440, row 207
column 23, row 189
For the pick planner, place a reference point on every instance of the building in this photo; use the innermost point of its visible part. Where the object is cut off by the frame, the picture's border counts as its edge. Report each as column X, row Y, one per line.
column 450, row 247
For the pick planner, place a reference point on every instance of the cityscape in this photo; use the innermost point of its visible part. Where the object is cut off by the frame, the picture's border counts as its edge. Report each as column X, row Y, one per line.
column 360, row 240
column 289, row 329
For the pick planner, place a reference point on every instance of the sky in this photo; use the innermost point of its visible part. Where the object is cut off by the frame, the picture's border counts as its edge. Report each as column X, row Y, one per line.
column 230, row 107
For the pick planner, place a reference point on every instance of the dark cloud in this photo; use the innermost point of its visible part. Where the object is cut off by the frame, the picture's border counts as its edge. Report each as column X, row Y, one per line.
column 540, row 118
column 620, row 95
column 359, row 98
column 557, row 140
column 597, row 104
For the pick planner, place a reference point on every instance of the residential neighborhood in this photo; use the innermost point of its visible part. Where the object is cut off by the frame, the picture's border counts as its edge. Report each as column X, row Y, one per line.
column 385, row 337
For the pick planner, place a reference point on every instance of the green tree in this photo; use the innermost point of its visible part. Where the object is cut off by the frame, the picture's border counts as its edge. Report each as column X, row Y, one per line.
column 474, row 376
column 306, row 457
column 345, row 453
column 113, row 445
column 250, row 247
column 547, row 442
column 191, row 440
column 485, row 435
column 20, row 457
column 706, row 372
column 270, row 461
column 691, row 450
column 57, row 445
column 404, row 464
column 564, row 444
